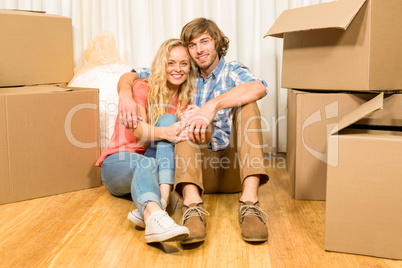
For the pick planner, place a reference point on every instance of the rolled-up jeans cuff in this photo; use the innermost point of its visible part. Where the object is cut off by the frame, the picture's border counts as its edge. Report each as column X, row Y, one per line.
column 146, row 198
column 166, row 176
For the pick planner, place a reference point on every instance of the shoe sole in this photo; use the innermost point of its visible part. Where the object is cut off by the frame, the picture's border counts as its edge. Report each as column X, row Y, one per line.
column 254, row 239
column 193, row 240
column 134, row 219
column 166, row 237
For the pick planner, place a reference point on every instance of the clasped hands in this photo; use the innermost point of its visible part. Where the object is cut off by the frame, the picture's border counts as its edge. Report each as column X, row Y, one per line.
column 193, row 122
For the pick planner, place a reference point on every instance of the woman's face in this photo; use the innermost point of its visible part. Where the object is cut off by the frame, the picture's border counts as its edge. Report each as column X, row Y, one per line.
column 178, row 67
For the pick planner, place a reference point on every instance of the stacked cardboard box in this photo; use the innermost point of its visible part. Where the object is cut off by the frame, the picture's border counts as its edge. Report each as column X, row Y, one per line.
column 344, row 138
column 48, row 133
column 311, row 117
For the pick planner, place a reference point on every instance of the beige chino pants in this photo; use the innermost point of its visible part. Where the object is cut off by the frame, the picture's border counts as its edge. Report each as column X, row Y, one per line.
column 224, row 171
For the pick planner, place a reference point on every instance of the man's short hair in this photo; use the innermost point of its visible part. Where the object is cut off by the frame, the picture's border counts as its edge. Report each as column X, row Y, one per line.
column 199, row 26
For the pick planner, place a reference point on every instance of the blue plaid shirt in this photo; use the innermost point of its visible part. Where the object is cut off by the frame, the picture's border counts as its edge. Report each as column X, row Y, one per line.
column 224, row 77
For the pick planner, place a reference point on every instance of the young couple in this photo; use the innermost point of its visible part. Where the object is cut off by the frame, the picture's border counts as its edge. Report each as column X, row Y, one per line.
column 217, row 142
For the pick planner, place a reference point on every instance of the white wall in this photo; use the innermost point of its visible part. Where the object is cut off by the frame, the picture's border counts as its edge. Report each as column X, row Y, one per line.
column 140, row 26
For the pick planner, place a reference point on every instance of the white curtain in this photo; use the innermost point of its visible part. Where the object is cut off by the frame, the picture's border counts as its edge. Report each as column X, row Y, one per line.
column 140, row 26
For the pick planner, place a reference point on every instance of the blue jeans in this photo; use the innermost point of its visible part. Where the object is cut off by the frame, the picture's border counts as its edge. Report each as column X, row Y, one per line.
column 124, row 172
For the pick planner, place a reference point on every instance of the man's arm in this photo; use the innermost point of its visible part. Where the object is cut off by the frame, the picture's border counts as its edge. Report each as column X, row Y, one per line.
column 128, row 110
column 126, row 81
column 237, row 96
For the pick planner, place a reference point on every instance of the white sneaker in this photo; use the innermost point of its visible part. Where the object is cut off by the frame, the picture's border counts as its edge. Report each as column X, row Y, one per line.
column 162, row 228
column 136, row 217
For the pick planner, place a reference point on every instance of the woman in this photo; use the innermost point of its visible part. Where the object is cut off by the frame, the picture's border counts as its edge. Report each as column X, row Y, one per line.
column 127, row 167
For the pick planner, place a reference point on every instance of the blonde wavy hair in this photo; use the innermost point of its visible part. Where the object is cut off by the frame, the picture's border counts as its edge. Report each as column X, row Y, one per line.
column 159, row 93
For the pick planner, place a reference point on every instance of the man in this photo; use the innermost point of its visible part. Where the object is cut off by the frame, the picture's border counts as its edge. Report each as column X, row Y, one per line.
column 233, row 159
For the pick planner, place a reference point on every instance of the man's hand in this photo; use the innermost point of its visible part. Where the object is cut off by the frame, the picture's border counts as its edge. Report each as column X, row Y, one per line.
column 128, row 111
column 197, row 123
column 188, row 112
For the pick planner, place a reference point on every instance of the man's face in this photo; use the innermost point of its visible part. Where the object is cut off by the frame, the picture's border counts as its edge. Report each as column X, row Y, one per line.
column 202, row 50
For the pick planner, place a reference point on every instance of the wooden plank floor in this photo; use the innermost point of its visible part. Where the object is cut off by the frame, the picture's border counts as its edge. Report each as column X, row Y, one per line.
column 89, row 228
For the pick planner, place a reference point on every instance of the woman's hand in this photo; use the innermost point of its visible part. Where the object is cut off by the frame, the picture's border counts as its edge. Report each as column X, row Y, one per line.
column 199, row 123
column 171, row 134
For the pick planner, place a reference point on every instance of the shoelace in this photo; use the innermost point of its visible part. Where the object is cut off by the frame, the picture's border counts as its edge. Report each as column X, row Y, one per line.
column 251, row 210
column 194, row 212
column 165, row 221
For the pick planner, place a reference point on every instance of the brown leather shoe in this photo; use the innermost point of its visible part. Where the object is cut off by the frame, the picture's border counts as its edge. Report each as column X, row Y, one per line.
column 252, row 222
column 194, row 219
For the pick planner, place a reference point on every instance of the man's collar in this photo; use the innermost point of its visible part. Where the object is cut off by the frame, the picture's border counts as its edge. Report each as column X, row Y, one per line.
column 217, row 69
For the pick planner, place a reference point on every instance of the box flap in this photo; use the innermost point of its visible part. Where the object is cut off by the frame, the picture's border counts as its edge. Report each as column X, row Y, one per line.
column 32, row 90
column 21, row 10
column 337, row 14
column 367, row 108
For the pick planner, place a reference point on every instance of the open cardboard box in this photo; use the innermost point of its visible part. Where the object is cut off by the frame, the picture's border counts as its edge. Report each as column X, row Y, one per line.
column 310, row 118
column 364, row 187
column 35, row 48
column 48, row 140
column 342, row 45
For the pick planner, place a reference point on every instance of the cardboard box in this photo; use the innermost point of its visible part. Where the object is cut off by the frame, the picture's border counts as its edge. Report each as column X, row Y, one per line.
column 48, row 140
column 364, row 191
column 35, row 48
column 311, row 116
column 342, row 45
